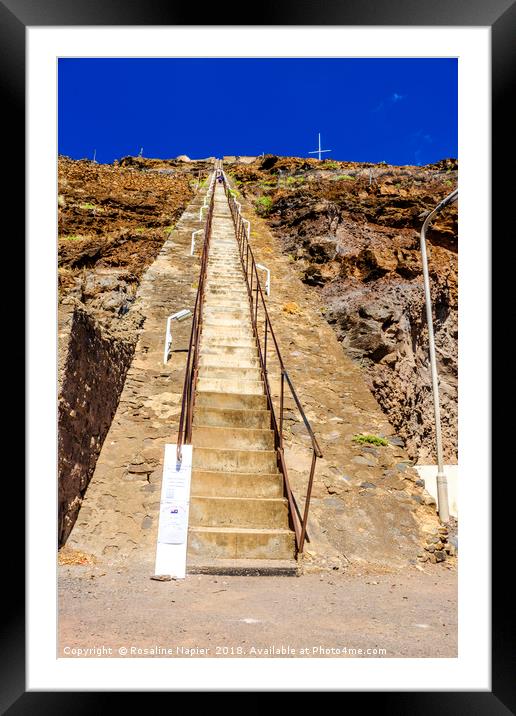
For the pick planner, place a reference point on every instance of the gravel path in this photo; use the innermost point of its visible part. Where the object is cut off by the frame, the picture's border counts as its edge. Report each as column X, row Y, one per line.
column 409, row 614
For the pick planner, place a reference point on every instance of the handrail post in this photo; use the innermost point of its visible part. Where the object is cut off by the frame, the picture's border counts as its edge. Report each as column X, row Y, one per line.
column 282, row 394
column 265, row 348
column 307, row 503
column 256, row 302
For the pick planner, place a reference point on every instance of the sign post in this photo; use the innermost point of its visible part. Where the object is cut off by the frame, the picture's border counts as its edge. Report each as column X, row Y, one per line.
column 173, row 514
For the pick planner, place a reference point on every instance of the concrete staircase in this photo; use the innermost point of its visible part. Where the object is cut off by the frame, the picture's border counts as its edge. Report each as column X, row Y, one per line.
column 239, row 520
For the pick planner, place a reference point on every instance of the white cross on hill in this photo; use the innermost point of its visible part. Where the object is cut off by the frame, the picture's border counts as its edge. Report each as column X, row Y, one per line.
column 319, row 151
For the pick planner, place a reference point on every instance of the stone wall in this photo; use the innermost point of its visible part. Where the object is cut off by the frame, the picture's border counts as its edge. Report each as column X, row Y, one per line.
column 92, row 376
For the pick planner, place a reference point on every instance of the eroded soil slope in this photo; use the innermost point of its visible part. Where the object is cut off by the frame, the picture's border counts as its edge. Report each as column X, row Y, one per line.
column 352, row 231
column 113, row 220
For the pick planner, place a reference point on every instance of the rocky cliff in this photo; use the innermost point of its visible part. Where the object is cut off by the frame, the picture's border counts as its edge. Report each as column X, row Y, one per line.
column 112, row 222
column 352, row 232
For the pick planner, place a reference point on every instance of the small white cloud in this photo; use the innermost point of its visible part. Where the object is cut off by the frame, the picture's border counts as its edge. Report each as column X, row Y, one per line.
column 397, row 97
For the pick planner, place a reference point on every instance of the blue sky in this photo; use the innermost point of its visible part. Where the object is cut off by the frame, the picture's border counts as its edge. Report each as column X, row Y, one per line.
column 402, row 111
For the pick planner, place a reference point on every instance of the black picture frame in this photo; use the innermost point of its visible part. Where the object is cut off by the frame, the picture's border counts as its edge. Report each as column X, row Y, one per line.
column 500, row 16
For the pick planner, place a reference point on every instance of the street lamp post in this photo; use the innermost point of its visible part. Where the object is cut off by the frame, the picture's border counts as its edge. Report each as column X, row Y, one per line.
column 442, row 483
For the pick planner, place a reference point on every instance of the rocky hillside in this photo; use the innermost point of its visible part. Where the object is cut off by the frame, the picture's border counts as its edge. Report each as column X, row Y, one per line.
column 113, row 220
column 112, row 223
column 352, row 231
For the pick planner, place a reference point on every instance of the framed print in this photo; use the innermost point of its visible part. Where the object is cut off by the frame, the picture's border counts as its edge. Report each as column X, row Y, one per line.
column 258, row 351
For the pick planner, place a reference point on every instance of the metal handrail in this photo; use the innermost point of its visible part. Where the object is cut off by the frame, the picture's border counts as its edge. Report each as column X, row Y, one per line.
column 184, row 434
column 257, row 300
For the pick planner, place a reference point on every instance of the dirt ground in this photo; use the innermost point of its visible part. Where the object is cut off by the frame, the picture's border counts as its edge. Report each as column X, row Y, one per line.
column 123, row 612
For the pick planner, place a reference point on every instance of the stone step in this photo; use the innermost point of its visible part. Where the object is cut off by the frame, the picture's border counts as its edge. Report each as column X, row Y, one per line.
column 230, row 401
column 216, row 349
column 225, row 299
column 223, row 269
column 222, row 385
column 221, row 250
column 243, row 567
column 215, row 341
column 211, row 329
column 236, row 484
column 243, row 512
column 239, row 337
column 230, row 417
column 220, row 360
column 226, row 279
column 220, row 305
column 223, row 258
column 214, row 313
column 225, row 272
column 226, row 291
column 232, row 438
column 235, row 543
column 230, row 372
column 231, row 304
column 215, row 271
column 216, row 284
column 226, row 262
column 232, row 277
column 228, row 460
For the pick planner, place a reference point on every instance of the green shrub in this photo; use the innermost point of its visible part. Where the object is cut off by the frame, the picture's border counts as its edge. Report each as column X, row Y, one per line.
column 344, row 177
column 264, row 205
column 72, row 237
column 365, row 439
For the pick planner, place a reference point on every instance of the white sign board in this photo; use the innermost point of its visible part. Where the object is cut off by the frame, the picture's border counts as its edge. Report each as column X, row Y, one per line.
column 173, row 513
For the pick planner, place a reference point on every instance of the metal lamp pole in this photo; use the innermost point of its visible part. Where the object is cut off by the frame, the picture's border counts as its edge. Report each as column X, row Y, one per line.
column 442, row 483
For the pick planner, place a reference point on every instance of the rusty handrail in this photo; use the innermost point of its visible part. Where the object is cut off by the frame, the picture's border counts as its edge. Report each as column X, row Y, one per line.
column 184, row 433
column 256, row 300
